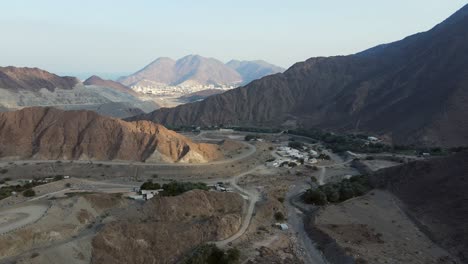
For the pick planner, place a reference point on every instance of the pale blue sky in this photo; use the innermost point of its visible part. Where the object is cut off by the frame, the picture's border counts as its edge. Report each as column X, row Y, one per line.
column 123, row 35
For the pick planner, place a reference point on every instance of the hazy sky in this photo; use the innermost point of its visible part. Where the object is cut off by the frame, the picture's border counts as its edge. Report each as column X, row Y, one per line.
column 123, row 35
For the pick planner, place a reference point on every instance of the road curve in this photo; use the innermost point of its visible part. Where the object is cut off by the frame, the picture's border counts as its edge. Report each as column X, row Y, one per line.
column 253, row 199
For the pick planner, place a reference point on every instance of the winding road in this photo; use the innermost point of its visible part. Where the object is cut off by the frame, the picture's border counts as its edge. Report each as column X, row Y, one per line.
column 247, row 217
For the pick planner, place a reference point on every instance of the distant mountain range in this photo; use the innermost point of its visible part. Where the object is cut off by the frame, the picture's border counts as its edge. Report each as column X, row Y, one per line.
column 197, row 70
column 25, row 87
column 410, row 91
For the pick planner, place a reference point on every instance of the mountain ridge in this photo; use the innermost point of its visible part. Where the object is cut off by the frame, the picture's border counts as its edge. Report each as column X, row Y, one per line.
column 409, row 91
column 52, row 134
column 199, row 70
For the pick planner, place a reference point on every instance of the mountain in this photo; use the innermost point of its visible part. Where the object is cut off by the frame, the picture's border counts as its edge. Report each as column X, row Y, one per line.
column 253, row 70
column 33, row 79
column 26, row 87
column 189, row 70
column 200, row 95
column 98, row 81
column 52, row 134
column 433, row 194
column 410, row 91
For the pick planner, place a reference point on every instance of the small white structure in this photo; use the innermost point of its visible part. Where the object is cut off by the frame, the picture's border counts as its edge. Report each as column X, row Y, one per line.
column 372, row 139
column 426, row 154
column 313, row 153
column 226, row 130
column 282, row 226
column 66, row 177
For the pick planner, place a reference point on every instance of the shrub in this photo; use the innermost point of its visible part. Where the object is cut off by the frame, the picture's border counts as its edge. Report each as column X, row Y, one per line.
column 175, row 188
column 211, row 254
column 3, row 171
column 149, row 185
column 279, row 216
column 316, row 197
column 295, row 144
column 332, row 193
column 281, row 199
column 29, row 193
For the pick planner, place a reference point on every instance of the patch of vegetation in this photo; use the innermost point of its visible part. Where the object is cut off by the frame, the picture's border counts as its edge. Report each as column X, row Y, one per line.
column 338, row 192
column 149, row 185
column 29, row 193
column 175, row 188
column 341, row 143
column 295, row 145
column 281, row 199
column 3, row 171
column 211, row 254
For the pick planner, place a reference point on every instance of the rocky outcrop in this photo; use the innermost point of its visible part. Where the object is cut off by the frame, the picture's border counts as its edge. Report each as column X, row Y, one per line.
column 167, row 228
column 33, row 79
column 410, row 91
column 48, row 133
column 98, row 81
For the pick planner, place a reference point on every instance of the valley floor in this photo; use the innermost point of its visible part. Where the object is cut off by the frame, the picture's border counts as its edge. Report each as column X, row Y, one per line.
column 371, row 228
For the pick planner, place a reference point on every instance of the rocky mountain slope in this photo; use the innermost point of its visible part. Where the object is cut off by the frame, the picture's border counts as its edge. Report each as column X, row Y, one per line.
column 434, row 195
column 25, row 87
column 253, row 70
column 200, row 95
column 410, row 91
column 48, row 133
column 98, row 81
column 189, row 70
column 33, row 79
column 167, row 228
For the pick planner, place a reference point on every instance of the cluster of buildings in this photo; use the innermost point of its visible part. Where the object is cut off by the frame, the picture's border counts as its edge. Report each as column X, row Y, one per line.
column 144, row 195
column 175, row 91
column 296, row 156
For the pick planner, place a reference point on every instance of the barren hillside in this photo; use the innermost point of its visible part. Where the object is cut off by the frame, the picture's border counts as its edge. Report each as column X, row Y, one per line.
column 169, row 227
column 48, row 133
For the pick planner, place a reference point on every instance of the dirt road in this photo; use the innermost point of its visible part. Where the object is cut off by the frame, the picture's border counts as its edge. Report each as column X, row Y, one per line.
column 253, row 198
column 21, row 216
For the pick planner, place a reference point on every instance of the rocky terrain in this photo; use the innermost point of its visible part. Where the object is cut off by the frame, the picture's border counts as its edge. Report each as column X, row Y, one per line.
column 197, row 96
column 409, row 91
column 33, row 79
column 48, row 133
column 253, row 70
column 98, row 81
column 167, row 228
column 25, row 87
column 434, row 196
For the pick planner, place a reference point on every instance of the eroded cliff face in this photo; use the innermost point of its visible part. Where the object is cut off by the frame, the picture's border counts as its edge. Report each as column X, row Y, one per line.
column 48, row 133
column 167, row 228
